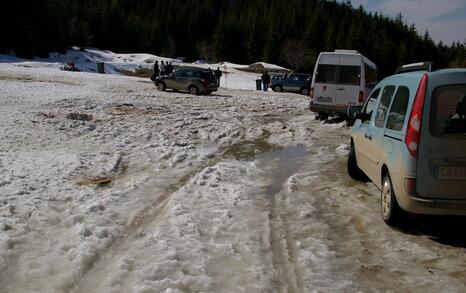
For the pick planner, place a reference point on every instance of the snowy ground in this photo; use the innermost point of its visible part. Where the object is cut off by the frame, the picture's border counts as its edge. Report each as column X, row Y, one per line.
column 107, row 185
column 234, row 76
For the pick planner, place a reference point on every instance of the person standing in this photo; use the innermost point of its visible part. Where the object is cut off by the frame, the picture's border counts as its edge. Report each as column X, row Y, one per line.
column 218, row 75
column 168, row 68
column 265, row 81
column 162, row 68
column 156, row 71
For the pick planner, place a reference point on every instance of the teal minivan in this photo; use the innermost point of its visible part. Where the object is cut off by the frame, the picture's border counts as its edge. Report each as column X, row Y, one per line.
column 409, row 138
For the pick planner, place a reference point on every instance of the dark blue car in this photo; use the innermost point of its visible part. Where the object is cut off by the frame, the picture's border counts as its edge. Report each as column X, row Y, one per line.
column 298, row 83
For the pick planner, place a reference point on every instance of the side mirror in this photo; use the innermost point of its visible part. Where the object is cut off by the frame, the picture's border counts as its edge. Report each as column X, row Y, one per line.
column 353, row 112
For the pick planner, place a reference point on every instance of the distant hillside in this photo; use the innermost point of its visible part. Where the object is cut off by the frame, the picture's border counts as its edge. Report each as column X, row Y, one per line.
column 290, row 33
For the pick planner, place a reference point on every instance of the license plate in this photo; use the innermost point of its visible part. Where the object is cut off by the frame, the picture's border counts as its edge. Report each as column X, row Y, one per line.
column 324, row 99
column 452, row 173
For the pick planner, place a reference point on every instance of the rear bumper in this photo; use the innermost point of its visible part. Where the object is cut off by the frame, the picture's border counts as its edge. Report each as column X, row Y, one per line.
column 329, row 109
column 209, row 89
column 420, row 205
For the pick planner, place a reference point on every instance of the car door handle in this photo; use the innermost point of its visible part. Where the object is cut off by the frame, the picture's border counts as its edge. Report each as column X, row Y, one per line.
column 340, row 89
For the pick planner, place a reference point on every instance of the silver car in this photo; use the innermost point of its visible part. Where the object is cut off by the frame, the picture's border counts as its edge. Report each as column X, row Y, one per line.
column 192, row 79
column 410, row 140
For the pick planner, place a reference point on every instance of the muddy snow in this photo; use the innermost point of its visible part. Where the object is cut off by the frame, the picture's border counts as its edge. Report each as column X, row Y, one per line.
column 108, row 185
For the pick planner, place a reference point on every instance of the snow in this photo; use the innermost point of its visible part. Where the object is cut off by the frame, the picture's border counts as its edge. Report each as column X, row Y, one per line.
column 85, row 60
column 269, row 66
column 239, row 191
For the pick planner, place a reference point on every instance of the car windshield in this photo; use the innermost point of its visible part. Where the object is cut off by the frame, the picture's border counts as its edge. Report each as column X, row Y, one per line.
column 448, row 112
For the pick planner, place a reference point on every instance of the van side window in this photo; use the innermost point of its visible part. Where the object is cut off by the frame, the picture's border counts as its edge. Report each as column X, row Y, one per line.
column 371, row 75
column 370, row 104
column 385, row 100
column 397, row 115
column 326, row 73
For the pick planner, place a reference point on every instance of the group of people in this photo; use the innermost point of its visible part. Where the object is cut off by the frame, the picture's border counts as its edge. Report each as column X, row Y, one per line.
column 163, row 68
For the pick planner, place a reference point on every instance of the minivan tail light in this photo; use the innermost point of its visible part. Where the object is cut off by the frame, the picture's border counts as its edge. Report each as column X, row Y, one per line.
column 205, row 82
column 415, row 118
column 311, row 93
column 361, row 97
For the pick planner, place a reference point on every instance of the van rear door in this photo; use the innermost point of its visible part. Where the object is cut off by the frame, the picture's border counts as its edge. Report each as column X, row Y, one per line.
column 325, row 77
column 441, row 171
column 349, row 80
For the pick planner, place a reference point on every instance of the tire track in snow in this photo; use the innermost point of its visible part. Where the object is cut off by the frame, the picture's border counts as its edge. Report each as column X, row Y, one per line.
column 286, row 162
column 136, row 229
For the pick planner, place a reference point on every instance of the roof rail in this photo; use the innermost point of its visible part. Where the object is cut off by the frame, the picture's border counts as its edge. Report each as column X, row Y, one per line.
column 346, row 51
column 420, row 66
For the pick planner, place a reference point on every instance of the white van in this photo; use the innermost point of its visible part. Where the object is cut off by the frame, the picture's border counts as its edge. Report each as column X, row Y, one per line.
column 341, row 79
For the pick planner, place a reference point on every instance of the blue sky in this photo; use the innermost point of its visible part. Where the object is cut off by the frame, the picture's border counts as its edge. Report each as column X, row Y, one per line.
column 444, row 19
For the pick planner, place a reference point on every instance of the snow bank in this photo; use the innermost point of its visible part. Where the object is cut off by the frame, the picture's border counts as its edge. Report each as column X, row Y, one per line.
column 85, row 60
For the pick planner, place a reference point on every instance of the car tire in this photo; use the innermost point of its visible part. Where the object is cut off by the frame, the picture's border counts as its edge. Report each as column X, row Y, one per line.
column 277, row 88
column 321, row 116
column 193, row 90
column 161, row 86
column 352, row 166
column 350, row 122
column 390, row 210
column 304, row 91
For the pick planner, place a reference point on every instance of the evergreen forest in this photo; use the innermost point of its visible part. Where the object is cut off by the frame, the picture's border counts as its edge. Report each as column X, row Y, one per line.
column 289, row 33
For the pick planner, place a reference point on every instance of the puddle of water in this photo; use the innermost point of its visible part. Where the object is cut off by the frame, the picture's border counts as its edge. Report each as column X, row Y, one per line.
column 286, row 162
column 249, row 150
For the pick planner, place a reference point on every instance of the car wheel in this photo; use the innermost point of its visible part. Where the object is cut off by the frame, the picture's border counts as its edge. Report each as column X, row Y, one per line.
column 390, row 210
column 321, row 116
column 304, row 91
column 353, row 168
column 350, row 122
column 277, row 88
column 193, row 90
column 160, row 86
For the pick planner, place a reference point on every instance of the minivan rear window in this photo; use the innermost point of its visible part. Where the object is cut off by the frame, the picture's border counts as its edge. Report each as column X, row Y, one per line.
column 326, row 73
column 448, row 111
column 338, row 74
column 350, row 75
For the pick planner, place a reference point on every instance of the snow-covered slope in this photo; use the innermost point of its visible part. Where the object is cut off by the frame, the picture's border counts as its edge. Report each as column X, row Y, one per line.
column 85, row 60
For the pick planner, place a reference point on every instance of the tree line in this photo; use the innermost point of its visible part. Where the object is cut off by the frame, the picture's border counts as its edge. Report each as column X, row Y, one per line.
column 289, row 33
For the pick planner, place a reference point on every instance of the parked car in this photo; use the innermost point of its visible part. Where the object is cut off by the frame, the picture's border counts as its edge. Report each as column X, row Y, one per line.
column 192, row 79
column 276, row 77
column 298, row 83
column 342, row 78
column 410, row 140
